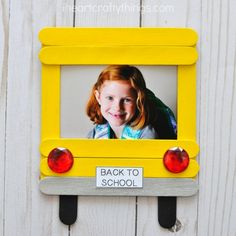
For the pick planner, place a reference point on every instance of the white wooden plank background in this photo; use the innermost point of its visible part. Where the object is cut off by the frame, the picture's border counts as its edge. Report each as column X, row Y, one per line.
column 25, row 211
column 4, row 26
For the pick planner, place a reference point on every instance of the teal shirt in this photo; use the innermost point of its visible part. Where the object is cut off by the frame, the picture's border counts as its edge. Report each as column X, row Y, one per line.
column 104, row 131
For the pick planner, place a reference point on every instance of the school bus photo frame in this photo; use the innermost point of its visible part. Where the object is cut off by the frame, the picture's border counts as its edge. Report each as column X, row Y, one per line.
column 128, row 46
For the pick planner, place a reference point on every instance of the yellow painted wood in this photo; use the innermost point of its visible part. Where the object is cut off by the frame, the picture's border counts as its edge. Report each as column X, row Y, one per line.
column 148, row 47
column 118, row 36
column 50, row 102
column 94, row 55
column 186, row 124
column 86, row 167
column 118, row 148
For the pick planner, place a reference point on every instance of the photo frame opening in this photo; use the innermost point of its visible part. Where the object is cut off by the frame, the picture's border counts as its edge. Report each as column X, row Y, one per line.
column 76, row 86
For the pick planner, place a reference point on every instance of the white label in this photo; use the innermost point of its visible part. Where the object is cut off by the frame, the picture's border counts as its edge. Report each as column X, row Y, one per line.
column 119, row 177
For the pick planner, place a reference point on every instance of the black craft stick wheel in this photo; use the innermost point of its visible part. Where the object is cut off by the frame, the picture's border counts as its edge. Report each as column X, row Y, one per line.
column 68, row 209
column 167, row 211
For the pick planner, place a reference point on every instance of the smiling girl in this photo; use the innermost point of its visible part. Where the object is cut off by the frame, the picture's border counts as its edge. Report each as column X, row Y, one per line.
column 119, row 105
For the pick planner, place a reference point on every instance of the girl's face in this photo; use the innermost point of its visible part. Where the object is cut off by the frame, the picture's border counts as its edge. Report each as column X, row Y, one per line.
column 117, row 100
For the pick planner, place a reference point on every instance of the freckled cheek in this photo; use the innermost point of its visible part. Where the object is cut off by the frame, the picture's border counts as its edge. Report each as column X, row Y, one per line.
column 105, row 108
column 105, row 104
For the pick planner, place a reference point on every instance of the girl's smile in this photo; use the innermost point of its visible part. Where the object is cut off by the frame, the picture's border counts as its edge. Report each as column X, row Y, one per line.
column 117, row 101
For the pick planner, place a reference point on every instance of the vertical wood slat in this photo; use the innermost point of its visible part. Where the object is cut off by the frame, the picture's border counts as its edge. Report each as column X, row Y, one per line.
column 217, row 121
column 4, row 21
column 65, row 13
column 186, row 116
column 50, row 113
column 18, row 134
column 103, row 216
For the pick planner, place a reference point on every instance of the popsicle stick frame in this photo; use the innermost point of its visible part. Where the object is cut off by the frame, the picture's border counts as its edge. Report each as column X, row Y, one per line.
column 98, row 162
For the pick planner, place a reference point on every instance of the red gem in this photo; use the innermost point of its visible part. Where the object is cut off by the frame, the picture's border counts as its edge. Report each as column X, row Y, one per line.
column 60, row 160
column 176, row 160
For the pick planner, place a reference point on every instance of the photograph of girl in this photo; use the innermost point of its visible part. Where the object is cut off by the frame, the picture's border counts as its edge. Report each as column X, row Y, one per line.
column 122, row 107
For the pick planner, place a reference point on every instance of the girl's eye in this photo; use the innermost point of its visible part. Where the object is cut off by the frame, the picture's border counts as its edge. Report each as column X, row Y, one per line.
column 127, row 100
column 109, row 98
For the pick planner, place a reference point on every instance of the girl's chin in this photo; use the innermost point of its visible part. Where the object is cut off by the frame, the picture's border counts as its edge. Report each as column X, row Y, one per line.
column 117, row 121
column 117, row 124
